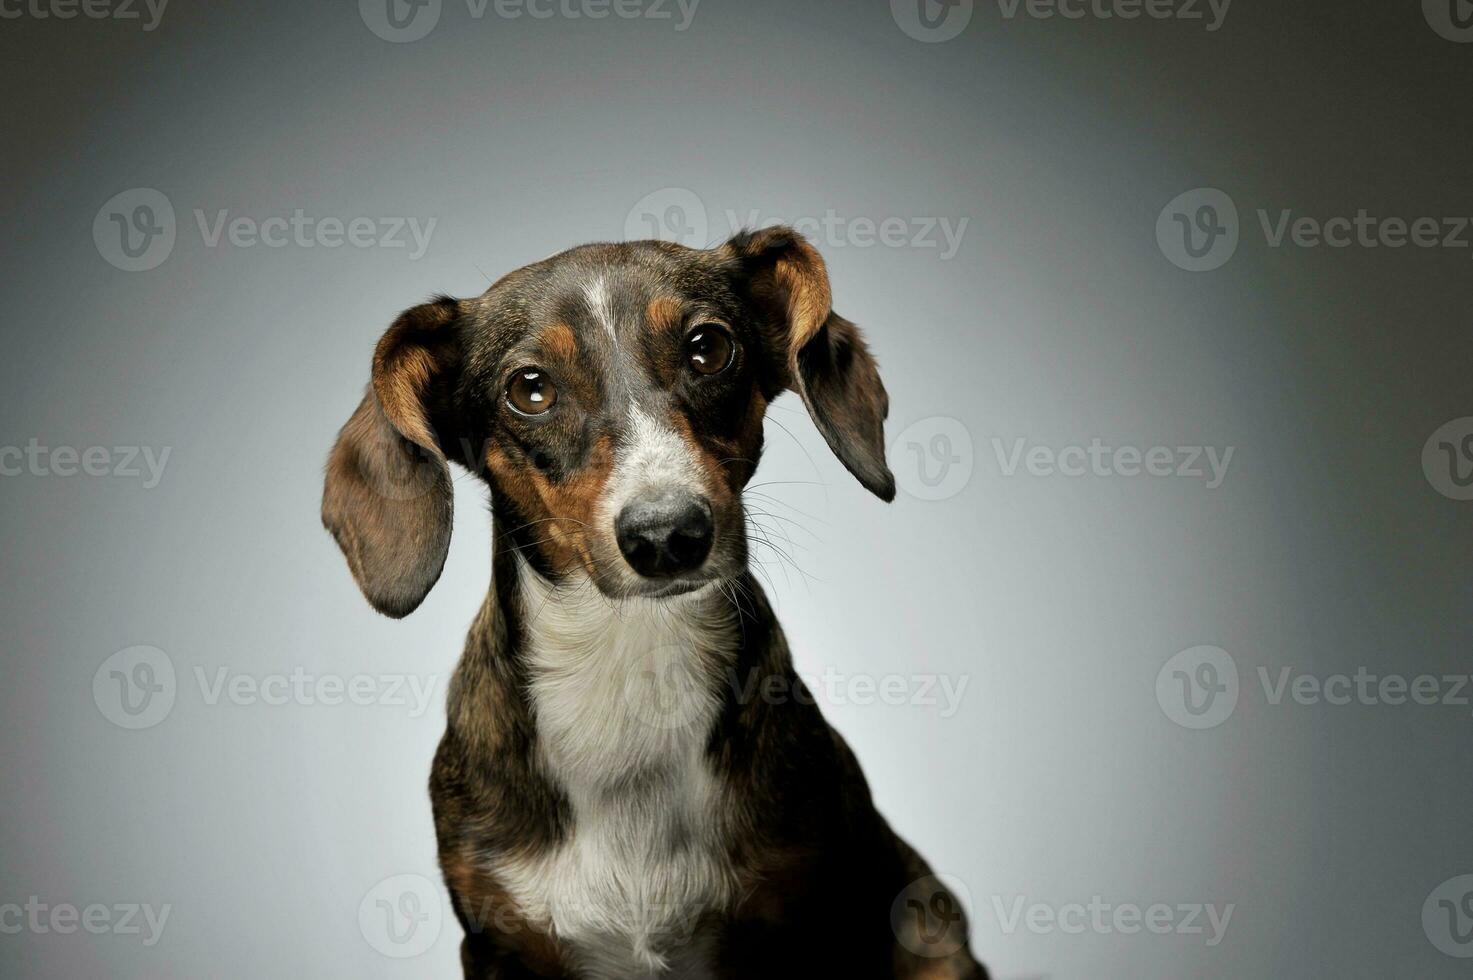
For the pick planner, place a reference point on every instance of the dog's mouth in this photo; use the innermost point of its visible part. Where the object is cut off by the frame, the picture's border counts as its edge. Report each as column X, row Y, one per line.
column 672, row 589
column 616, row 579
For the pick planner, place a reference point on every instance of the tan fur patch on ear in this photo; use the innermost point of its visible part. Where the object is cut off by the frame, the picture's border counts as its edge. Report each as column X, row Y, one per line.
column 806, row 280
column 404, row 364
column 400, row 380
column 801, row 277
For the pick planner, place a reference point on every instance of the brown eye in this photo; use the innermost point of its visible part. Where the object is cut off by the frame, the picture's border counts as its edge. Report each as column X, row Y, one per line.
column 709, row 349
column 530, row 391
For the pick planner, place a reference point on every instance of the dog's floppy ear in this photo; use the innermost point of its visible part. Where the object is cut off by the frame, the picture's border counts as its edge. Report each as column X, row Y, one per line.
column 388, row 498
column 823, row 356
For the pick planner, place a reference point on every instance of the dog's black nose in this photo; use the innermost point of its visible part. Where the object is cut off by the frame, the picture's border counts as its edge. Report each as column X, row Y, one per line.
column 665, row 534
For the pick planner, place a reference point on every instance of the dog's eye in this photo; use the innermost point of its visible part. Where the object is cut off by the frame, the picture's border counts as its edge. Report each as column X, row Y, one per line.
column 709, row 349
column 530, row 391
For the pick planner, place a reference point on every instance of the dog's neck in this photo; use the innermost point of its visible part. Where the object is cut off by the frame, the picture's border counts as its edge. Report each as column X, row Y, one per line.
column 624, row 687
column 623, row 697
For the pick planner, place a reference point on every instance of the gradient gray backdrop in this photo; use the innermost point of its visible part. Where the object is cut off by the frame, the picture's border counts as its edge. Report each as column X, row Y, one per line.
column 1058, row 321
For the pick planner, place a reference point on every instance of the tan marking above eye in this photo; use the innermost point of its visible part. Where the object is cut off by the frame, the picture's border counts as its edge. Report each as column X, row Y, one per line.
column 663, row 313
column 560, row 342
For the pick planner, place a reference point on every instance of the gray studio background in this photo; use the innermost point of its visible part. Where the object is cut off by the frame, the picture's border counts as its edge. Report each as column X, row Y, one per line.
column 1063, row 776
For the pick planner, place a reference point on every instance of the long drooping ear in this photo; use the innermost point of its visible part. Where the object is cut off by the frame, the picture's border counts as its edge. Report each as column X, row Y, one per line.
column 824, row 358
column 388, row 498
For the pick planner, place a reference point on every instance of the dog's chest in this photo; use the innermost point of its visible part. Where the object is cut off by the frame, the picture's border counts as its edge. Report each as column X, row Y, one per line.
column 624, row 699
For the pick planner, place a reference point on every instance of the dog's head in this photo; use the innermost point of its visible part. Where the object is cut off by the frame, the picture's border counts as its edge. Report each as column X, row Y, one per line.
column 612, row 397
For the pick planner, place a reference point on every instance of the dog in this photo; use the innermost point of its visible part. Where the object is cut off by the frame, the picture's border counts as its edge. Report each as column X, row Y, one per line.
column 607, row 804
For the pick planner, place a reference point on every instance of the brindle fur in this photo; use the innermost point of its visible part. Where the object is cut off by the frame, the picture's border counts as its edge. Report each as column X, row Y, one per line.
column 818, row 868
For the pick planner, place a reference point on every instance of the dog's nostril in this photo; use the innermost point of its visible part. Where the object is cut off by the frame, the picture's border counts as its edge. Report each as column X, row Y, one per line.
column 665, row 535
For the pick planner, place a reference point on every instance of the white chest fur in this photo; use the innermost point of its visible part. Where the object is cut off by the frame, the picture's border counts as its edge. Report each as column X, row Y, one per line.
column 624, row 697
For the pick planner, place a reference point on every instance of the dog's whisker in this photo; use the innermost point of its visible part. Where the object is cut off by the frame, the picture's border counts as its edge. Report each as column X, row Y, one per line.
column 769, row 498
column 758, row 514
column 788, row 483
